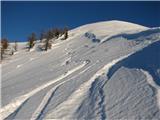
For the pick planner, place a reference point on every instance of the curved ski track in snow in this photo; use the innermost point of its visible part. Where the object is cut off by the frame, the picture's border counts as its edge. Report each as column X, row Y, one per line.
column 66, row 109
column 15, row 104
column 47, row 97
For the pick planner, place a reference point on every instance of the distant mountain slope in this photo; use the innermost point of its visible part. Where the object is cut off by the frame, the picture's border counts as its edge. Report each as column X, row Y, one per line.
column 105, row 70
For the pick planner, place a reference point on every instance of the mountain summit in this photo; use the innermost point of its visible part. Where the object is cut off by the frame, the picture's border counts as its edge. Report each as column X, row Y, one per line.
column 109, row 27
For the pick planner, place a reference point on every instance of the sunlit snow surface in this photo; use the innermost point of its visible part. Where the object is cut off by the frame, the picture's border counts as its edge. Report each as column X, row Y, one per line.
column 105, row 70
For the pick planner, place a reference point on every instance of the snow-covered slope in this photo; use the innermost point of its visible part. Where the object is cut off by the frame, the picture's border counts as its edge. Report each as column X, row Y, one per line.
column 116, row 77
column 108, row 28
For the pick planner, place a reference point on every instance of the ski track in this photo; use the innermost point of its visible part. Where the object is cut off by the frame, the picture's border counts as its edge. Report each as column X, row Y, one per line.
column 11, row 107
column 66, row 109
column 48, row 96
column 153, row 84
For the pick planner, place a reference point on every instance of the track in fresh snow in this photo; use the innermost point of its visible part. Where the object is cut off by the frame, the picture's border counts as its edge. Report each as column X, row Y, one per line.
column 48, row 96
column 15, row 104
column 66, row 109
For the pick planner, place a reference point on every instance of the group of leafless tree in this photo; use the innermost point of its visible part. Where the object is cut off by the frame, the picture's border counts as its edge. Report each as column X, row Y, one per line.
column 4, row 48
column 46, row 40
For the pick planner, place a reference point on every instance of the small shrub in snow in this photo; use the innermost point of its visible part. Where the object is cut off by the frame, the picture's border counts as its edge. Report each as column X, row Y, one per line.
column 4, row 46
column 15, row 46
column 48, row 43
column 65, row 33
column 42, row 36
column 31, row 40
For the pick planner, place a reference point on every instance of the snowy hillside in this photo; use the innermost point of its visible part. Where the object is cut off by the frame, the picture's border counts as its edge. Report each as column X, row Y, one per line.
column 104, row 70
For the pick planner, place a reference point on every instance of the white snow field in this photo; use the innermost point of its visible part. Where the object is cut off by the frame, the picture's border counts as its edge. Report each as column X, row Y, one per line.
column 104, row 71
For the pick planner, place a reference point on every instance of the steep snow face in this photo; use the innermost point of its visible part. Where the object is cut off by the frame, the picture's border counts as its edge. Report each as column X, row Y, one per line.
column 138, row 74
column 82, row 79
column 128, row 90
column 108, row 28
column 147, row 59
column 129, row 95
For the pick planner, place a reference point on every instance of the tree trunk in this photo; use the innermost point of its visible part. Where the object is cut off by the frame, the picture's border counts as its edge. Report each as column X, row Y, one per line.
column 46, row 47
column 2, row 52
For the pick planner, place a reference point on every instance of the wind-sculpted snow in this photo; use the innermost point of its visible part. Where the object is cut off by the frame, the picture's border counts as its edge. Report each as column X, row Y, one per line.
column 138, row 74
column 151, row 81
column 116, row 78
column 128, row 95
column 147, row 59
column 150, row 35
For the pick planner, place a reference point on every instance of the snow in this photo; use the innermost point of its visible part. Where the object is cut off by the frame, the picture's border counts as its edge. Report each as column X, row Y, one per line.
column 150, row 80
column 116, row 78
column 48, row 96
column 11, row 107
column 18, row 66
column 132, row 96
column 32, row 59
column 67, row 108
column 107, row 28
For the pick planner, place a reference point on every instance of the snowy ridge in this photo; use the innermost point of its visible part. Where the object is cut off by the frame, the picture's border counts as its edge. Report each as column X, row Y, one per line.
column 108, row 28
column 104, row 70
column 131, row 36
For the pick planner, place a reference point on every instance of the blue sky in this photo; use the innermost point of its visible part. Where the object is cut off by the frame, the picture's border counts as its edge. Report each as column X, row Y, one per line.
column 19, row 19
